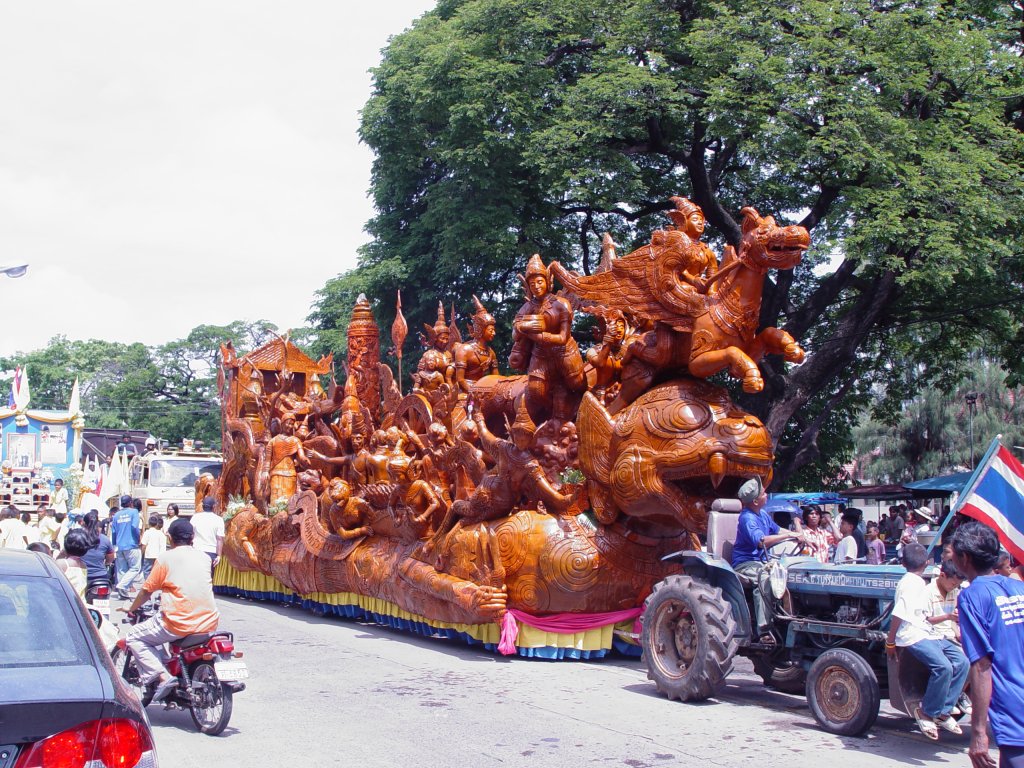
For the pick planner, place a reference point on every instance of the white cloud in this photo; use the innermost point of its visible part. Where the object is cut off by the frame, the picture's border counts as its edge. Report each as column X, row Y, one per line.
column 179, row 164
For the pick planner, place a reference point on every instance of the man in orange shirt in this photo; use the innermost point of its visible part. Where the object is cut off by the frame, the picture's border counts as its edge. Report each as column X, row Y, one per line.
column 187, row 607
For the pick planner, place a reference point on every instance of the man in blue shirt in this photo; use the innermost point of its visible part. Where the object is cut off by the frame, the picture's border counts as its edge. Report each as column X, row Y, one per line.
column 991, row 612
column 126, row 532
column 755, row 533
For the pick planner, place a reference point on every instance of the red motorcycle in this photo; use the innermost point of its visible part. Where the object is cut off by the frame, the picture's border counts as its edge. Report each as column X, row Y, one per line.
column 208, row 669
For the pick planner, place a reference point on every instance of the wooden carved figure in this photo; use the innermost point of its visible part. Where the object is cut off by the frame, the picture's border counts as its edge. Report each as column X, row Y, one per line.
column 475, row 359
column 543, row 346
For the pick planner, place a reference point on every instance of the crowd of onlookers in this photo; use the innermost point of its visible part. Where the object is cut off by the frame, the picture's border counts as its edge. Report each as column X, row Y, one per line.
column 847, row 538
column 119, row 546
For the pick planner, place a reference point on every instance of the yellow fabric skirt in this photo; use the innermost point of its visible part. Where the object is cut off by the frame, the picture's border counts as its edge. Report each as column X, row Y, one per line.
column 592, row 643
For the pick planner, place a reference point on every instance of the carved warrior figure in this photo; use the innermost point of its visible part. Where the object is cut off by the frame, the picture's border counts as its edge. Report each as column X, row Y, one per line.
column 435, row 364
column 476, row 359
column 517, row 477
column 543, row 346
column 283, row 450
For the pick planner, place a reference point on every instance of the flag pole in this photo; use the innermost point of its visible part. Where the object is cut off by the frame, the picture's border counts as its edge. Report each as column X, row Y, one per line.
column 969, row 486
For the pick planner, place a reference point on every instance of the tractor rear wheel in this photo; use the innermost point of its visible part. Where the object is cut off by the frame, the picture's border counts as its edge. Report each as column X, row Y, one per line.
column 688, row 638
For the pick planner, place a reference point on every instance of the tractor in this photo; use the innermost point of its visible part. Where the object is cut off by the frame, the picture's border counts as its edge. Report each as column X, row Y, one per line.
column 828, row 623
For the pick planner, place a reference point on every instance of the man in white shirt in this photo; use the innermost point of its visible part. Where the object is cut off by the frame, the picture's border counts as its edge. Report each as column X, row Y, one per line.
column 12, row 531
column 911, row 630
column 48, row 526
column 209, row 531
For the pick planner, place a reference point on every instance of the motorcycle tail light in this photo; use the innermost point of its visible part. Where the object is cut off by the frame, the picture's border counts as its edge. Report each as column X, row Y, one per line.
column 208, row 657
column 102, row 592
column 112, row 743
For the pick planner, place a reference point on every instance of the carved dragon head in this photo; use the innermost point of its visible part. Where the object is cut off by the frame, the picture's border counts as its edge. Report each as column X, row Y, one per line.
column 766, row 245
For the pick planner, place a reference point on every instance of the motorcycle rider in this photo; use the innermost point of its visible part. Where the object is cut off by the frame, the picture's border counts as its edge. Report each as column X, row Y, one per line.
column 187, row 606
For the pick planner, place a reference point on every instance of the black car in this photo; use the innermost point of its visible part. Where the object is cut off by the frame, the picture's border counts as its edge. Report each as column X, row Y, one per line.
column 61, row 702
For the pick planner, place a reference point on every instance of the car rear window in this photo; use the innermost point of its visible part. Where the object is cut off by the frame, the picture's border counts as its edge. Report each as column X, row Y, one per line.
column 38, row 625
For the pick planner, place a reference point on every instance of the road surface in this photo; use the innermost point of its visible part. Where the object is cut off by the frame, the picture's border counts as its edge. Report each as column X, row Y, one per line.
column 326, row 692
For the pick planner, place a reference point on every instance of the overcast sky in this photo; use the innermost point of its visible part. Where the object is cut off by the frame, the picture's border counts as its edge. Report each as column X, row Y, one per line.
column 164, row 165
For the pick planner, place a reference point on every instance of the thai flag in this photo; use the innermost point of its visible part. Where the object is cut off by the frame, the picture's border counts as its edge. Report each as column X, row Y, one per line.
column 997, row 499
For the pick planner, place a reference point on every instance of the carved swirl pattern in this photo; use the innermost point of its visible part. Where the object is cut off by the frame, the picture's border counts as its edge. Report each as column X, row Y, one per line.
column 569, row 565
column 528, row 592
column 512, row 541
column 679, row 417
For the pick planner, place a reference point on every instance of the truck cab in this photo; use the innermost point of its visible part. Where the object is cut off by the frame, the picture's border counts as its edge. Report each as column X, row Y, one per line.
column 168, row 476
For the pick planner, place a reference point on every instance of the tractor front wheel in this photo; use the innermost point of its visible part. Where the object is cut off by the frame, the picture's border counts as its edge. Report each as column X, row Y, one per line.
column 842, row 691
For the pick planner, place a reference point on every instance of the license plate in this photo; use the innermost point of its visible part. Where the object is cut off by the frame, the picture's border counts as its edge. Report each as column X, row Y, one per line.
column 231, row 670
column 103, row 606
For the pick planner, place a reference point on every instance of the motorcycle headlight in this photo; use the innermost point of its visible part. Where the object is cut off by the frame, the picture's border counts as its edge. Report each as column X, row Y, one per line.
column 778, row 575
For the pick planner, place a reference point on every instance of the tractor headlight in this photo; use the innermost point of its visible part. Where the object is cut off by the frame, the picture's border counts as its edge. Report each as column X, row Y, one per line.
column 778, row 575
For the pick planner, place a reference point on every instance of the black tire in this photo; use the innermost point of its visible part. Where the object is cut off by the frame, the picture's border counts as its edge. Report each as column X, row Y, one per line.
column 842, row 691
column 124, row 663
column 211, row 700
column 688, row 638
column 780, row 674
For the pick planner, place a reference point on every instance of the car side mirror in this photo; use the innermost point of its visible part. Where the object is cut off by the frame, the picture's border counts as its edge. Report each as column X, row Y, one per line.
column 96, row 616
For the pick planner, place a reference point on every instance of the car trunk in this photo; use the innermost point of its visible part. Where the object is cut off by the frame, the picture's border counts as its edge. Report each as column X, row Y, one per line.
column 38, row 702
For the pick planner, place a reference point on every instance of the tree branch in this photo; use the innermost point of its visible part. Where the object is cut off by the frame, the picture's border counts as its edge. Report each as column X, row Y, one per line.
column 569, row 49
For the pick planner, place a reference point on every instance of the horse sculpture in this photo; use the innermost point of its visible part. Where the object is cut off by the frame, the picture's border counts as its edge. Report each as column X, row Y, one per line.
column 695, row 331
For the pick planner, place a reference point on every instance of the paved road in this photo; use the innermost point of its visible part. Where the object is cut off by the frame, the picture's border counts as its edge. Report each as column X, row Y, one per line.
column 330, row 692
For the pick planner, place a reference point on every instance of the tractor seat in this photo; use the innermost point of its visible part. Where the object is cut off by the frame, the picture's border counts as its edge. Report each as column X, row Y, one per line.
column 723, row 521
column 191, row 641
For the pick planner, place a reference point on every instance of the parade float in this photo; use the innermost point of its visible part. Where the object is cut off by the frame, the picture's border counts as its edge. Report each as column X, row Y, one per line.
column 529, row 513
column 37, row 446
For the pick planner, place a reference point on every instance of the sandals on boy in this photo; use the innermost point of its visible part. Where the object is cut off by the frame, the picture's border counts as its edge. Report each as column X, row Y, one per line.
column 949, row 724
column 926, row 724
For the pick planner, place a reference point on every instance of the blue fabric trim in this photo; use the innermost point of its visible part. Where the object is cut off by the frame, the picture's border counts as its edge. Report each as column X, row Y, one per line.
column 422, row 628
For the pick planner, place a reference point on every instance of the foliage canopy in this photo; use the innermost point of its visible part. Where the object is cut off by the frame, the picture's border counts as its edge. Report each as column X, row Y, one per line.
column 891, row 129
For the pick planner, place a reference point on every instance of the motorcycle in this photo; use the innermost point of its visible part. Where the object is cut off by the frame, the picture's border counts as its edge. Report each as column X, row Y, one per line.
column 97, row 594
column 208, row 669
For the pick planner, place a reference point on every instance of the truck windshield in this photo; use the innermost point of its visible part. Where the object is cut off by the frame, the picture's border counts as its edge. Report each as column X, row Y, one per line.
column 180, row 473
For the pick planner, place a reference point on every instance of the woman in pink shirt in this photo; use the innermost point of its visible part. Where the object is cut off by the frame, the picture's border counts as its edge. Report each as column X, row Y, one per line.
column 818, row 539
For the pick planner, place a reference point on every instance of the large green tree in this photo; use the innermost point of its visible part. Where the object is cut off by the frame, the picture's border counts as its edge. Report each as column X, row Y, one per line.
column 892, row 130
column 938, row 432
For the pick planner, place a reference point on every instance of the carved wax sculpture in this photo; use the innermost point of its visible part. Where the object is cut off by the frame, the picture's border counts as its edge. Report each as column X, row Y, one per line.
column 364, row 353
column 456, row 512
column 543, row 346
column 476, row 359
column 695, row 332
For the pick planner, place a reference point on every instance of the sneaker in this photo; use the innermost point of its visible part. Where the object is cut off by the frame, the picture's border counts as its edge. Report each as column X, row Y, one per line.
column 165, row 688
column 947, row 723
column 964, row 704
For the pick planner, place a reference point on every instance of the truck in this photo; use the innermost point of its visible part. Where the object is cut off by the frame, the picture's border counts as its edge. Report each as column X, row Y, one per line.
column 168, row 476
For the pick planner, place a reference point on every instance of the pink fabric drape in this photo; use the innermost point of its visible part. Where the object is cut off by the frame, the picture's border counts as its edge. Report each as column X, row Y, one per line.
column 559, row 623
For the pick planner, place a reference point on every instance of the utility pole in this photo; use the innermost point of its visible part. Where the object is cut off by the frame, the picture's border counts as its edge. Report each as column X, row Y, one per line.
column 972, row 401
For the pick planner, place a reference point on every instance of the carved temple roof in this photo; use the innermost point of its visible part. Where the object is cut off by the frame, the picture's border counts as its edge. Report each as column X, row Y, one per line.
column 275, row 355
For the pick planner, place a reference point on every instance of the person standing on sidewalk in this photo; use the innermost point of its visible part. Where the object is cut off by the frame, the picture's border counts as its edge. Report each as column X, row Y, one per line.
column 126, row 532
column 209, row 531
column 991, row 612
